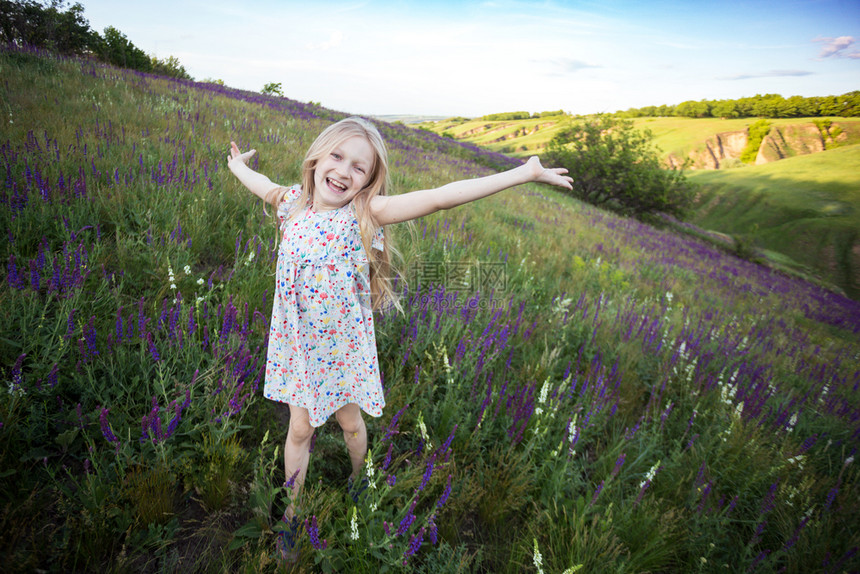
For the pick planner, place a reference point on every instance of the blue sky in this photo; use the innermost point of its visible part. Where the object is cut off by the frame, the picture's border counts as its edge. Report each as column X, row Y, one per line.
column 472, row 58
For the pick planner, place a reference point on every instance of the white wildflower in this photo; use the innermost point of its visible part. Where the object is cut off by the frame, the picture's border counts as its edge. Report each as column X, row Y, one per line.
column 649, row 476
column 353, row 525
column 537, row 558
column 849, row 460
column 422, row 428
column 544, row 391
column 187, row 269
column 200, row 281
column 791, row 423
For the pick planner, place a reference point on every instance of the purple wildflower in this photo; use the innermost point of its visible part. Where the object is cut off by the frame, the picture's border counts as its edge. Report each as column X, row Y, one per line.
column 314, row 534
column 387, row 460
column 152, row 348
column 768, row 503
column 414, row 545
column 831, row 496
column 408, row 519
column 596, row 493
column 630, row 433
column 762, row 555
column 292, row 480
column 394, row 424
column 17, row 379
column 391, row 480
column 433, row 529
column 758, row 532
column 793, row 540
column 618, row 464
column 691, row 441
column 106, row 430
column 70, row 325
column 445, row 494
column 642, row 490
column 428, row 472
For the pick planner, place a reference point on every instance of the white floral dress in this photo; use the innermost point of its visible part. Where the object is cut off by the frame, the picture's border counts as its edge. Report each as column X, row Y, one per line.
column 322, row 343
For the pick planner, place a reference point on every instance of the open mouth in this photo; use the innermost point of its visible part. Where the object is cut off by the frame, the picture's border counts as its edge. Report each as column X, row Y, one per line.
column 335, row 185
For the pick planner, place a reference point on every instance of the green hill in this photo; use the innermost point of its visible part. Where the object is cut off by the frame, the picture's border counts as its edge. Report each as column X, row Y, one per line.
column 805, row 207
column 561, row 383
column 676, row 137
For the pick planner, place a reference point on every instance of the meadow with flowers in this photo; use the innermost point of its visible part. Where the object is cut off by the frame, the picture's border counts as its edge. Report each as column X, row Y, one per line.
column 567, row 391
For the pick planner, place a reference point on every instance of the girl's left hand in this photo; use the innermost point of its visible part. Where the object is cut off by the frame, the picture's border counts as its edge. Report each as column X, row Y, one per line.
column 236, row 154
column 552, row 176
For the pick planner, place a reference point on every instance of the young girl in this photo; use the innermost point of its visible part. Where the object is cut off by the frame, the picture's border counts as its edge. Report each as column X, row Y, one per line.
column 331, row 276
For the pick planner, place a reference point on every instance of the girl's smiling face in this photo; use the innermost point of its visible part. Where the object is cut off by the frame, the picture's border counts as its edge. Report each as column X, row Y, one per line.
column 342, row 174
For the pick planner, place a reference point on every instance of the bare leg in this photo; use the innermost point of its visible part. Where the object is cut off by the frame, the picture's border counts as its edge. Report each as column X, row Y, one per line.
column 296, row 452
column 355, row 435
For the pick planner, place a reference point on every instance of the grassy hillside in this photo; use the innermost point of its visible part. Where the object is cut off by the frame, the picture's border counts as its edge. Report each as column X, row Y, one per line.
column 806, row 207
column 676, row 136
column 680, row 136
column 562, row 383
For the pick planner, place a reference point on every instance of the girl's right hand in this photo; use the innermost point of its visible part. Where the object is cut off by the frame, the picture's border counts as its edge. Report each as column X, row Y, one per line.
column 236, row 154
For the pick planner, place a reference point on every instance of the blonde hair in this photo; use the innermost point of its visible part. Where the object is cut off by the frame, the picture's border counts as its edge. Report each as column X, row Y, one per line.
column 377, row 184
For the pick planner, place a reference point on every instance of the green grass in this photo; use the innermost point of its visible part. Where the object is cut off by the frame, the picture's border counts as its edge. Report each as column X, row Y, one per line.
column 613, row 395
column 805, row 207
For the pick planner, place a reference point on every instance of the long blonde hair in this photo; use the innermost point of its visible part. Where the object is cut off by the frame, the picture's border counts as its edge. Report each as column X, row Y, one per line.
column 377, row 184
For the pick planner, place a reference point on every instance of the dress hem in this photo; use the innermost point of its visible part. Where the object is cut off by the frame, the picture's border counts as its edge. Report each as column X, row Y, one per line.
column 334, row 409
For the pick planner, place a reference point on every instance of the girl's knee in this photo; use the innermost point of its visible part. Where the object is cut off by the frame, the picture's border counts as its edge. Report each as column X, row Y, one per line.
column 300, row 430
column 349, row 418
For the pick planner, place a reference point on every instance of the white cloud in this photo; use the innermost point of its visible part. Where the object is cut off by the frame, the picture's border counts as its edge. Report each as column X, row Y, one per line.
column 335, row 40
column 836, row 47
column 768, row 74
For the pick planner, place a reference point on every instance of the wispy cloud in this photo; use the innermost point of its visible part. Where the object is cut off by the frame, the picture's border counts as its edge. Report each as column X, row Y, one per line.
column 838, row 47
column 768, row 74
column 568, row 65
column 334, row 41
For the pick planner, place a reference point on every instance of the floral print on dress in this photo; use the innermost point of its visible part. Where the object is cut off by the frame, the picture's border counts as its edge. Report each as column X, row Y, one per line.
column 322, row 343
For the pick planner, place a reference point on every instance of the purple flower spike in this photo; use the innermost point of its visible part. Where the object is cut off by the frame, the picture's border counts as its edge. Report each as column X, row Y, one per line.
column 314, row 534
column 618, row 464
column 596, row 493
column 106, row 430
column 414, row 544
column 445, row 494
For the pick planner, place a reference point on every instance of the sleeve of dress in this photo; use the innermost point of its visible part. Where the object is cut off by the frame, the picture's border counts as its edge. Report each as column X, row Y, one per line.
column 378, row 241
column 287, row 203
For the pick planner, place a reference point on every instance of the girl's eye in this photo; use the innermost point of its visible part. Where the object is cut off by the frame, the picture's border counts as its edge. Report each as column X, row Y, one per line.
column 359, row 169
column 335, row 156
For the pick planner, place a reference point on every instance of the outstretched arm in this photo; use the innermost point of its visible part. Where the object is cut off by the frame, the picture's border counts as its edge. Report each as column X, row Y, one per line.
column 406, row 206
column 259, row 184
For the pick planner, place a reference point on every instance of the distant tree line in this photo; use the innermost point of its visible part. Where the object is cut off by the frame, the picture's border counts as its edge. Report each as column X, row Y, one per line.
column 506, row 116
column 761, row 106
column 51, row 25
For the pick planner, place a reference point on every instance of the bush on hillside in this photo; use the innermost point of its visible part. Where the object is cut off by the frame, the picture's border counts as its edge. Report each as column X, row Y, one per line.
column 757, row 133
column 614, row 165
